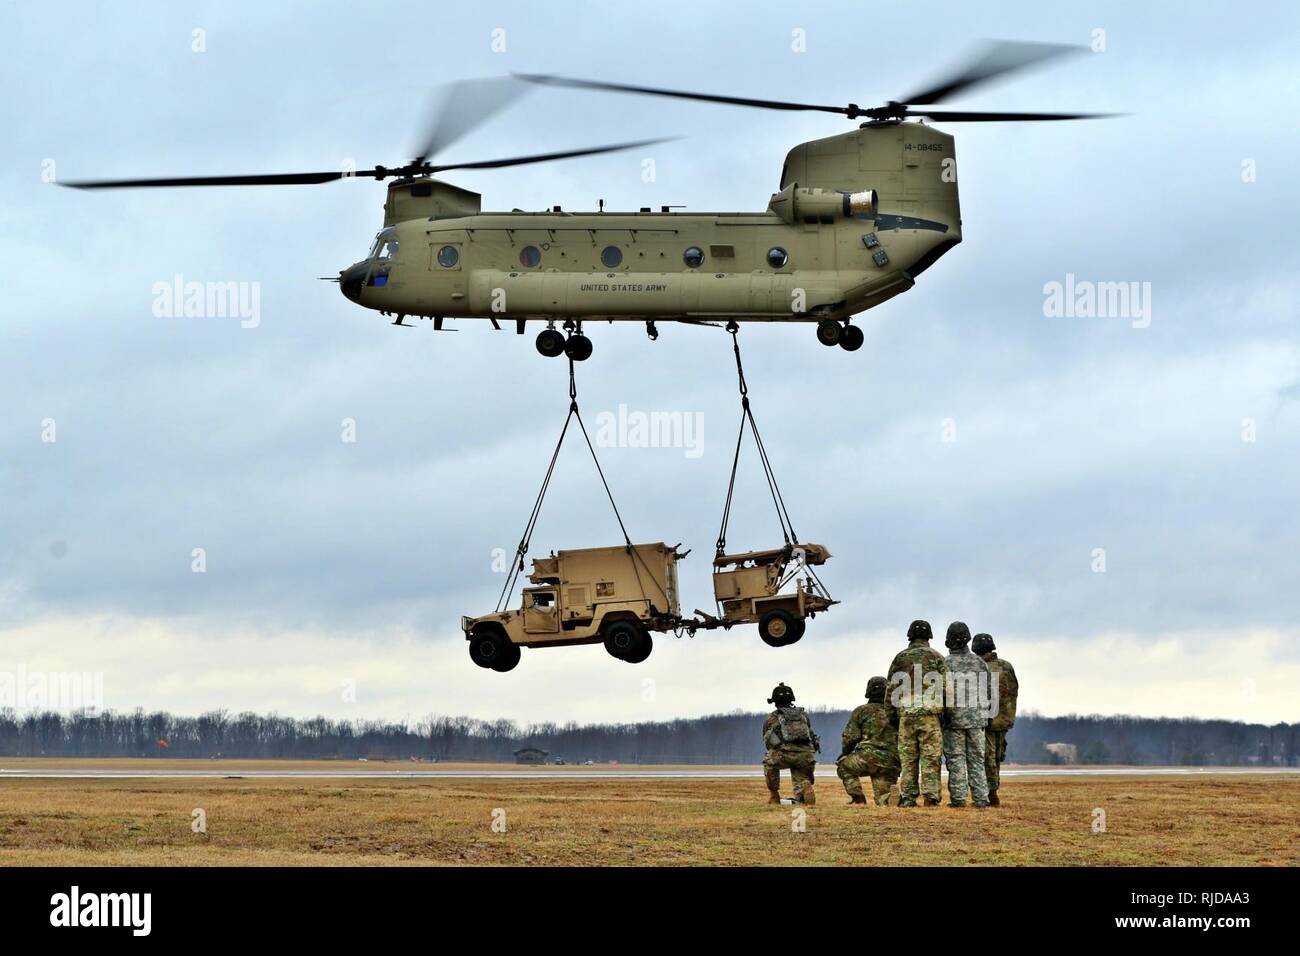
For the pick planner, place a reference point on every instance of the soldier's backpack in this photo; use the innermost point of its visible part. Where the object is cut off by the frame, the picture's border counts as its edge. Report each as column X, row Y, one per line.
column 794, row 725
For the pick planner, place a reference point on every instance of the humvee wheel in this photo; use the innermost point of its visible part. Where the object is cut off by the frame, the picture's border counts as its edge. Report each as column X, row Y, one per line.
column 829, row 332
column 778, row 628
column 508, row 660
column 550, row 343
column 489, row 649
column 578, row 347
column 647, row 645
column 623, row 640
column 851, row 338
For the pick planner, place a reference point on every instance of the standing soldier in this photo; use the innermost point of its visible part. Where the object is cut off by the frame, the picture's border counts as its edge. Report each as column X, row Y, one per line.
column 791, row 744
column 963, row 731
column 920, row 737
column 870, row 746
column 995, row 735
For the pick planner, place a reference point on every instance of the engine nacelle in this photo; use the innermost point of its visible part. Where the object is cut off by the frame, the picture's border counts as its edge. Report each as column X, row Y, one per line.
column 823, row 206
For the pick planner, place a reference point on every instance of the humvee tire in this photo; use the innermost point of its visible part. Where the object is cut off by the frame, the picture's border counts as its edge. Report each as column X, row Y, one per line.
column 647, row 645
column 508, row 660
column 623, row 639
column 488, row 649
column 778, row 628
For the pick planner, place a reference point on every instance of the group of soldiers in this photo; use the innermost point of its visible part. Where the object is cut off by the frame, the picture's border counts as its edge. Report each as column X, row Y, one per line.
column 926, row 708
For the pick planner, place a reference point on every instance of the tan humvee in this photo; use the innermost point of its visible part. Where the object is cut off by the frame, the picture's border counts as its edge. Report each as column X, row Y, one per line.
column 585, row 596
column 748, row 588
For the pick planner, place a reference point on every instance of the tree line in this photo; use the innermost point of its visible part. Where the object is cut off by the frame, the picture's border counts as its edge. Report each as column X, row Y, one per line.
column 713, row 739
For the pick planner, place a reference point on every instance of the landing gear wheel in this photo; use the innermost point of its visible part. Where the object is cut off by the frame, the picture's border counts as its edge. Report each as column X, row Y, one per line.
column 508, row 660
column 777, row 628
column 647, row 645
column 851, row 338
column 489, row 650
column 829, row 332
column 623, row 640
column 550, row 343
column 800, row 625
column 578, row 347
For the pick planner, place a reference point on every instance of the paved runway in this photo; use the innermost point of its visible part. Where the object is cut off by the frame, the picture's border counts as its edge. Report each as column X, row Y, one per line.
column 586, row 773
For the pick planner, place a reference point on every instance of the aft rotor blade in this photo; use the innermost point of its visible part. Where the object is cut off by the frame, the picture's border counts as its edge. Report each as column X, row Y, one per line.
column 463, row 107
column 547, row 157
column 548, row 80
column 997, row 59
column 272, row 179
column 968, row 116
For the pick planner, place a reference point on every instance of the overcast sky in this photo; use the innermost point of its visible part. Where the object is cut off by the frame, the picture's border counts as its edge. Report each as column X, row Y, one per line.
column 330, row 562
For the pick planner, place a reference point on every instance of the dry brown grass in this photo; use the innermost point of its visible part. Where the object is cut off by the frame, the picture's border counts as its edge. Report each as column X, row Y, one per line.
column 1211, row 820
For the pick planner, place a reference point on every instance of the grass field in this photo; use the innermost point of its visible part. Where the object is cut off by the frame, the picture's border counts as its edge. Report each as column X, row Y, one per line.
column 1208, row 820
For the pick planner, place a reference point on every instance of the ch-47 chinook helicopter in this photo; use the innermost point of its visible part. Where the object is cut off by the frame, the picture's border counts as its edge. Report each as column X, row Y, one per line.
column 858, row 217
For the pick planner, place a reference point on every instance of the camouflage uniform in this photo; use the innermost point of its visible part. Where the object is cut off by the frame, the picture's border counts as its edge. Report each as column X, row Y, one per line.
column 995, row 735
column 963, row 732
column 870, row 747
column 797, row 756
column 920, row 738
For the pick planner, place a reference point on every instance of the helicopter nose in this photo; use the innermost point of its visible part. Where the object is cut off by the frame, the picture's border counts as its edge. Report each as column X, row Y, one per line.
column 350, row 280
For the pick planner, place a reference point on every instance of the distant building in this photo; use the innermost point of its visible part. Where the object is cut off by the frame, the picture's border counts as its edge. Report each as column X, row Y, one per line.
column 531, row 755
column 1066, row 753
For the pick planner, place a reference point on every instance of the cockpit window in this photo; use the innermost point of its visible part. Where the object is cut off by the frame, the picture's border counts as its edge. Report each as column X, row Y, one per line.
column 385, row 246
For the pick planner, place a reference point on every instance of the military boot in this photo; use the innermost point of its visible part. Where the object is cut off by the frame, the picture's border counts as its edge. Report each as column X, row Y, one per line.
column 807, row 797
column 931, row 801
column 857, row 799
column 993, row 799
column 774, row 798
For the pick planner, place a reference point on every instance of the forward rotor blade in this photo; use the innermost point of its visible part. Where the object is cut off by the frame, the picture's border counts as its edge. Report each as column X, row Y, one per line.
column 273, row 179
column 547, row 157
column 548, row 80
column 968, row 116
column 998, row 58
column 462, row 107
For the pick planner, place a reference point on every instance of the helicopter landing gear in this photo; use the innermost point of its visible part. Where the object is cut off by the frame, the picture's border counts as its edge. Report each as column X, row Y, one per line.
column 851, row 338
column 577, row 347
column 829, row 332
column 550, row 343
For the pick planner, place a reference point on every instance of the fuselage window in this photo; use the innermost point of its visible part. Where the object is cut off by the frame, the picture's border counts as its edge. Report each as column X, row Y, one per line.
column 777, row 257
column 693, row 257
column 611, row 257
column 448, row 257
column 530, row 257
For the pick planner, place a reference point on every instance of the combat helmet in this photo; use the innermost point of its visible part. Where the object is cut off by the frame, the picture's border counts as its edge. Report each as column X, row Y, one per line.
column 876, row 689
column 983, row 643
column 958, row 635
column 919, row 631
column 782, row 696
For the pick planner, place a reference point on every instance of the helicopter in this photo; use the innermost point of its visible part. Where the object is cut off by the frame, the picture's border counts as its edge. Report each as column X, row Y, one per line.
column 857, row 218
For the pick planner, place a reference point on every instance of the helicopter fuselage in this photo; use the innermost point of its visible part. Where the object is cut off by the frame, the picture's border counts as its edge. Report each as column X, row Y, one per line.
column 811, row 256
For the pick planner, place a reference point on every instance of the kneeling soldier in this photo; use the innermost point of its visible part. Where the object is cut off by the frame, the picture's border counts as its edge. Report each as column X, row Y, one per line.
column 870, row 747
column 791, row 745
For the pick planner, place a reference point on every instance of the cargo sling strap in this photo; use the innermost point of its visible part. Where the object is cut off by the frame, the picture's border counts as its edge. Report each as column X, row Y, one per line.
column 522, row 550
column 747, row 417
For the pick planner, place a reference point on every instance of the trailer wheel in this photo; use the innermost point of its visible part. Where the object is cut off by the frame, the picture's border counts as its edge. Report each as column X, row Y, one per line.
column 488, row 649
column 647, row 644
column 623, row 639
column 509, row 658
column 778, row 628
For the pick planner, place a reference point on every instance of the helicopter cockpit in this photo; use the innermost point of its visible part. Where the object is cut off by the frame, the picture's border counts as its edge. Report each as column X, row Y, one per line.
column 385, row 246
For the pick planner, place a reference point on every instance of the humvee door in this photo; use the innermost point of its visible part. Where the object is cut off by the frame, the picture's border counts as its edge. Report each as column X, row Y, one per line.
column 541, row 611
